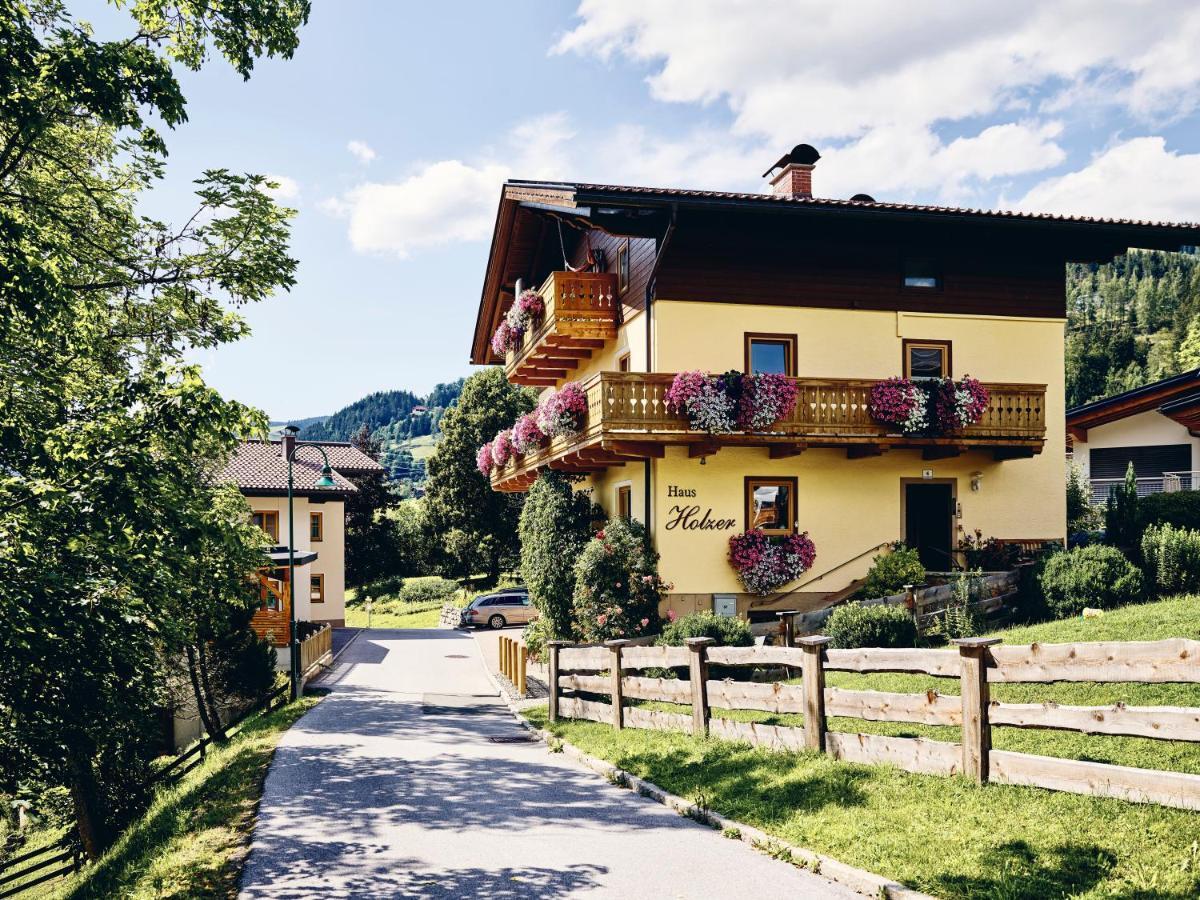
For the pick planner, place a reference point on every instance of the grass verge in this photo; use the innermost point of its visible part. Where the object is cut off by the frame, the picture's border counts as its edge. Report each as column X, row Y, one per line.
column 947, row 836
column 193, row 840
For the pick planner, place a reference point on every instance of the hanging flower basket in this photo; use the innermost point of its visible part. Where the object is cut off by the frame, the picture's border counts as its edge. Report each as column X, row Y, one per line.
column 562, row 413
column 483, row 460
column 526, row 435
column 958, row 404
column 502, row 448
column 734, row 401
column 526, row 310
column 900, row 402
column 506, row 338
column 765, row 563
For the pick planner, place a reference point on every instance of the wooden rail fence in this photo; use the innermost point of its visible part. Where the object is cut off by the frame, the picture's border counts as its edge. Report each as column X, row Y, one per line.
column 315, row 648
column 577, row 674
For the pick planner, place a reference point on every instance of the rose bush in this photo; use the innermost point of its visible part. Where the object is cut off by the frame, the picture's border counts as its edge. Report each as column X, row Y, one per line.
column 617, row 585
column 765, row 563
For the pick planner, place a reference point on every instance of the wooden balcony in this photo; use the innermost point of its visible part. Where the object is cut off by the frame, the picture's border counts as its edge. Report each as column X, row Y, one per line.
column 581, row 315
column 628, row 418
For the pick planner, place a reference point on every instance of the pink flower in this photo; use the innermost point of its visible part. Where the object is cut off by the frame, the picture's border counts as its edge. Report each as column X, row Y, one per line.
column 672, row 615
column 645, row 622
column 502, row 448
column 562, row 412
column 526, row 436
column 506, row 338
column 602, row 620
column 600, row 534
column 483, row 460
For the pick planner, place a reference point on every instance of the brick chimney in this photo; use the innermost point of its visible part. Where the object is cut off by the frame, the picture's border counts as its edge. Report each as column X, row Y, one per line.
column 287, row 446
column 791, row 176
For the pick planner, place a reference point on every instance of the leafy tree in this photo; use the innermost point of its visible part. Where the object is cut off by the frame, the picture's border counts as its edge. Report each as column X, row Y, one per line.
column 370, row 543
column 555, row 525
column 1188, row 354
column 1121, row 513
column 104, row 432
column 457, row 497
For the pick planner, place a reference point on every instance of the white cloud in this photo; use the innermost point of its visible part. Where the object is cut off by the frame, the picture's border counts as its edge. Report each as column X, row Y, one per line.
column 285, row 188
column 361, row 151
column 1139, row 178
column 448, row 200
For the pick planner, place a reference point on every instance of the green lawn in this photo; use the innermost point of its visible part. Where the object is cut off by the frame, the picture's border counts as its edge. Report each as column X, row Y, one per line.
column 423, row 616
column 194, row 838
column 945, row 835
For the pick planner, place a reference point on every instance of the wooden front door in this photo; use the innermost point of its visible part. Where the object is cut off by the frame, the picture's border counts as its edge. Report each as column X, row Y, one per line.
column 929, row 523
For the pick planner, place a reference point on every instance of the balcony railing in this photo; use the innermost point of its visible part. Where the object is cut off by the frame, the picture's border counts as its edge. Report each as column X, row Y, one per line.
column 581, row 315
column 629, row 417
column 1166, row 483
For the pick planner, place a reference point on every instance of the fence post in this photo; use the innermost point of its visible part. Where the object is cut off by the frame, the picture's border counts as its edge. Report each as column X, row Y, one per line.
column 976, row 730
column 552, row 664
column 788, row 621
column 522, row 659
column 615, row 678
column 812, row 680
column 698, row 672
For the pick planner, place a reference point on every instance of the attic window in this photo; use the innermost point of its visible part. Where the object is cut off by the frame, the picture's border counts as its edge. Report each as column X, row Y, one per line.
column 922, row 274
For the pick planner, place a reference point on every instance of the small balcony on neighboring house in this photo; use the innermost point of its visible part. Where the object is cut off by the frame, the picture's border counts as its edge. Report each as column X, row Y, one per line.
column 581, row 314
column 628, row 418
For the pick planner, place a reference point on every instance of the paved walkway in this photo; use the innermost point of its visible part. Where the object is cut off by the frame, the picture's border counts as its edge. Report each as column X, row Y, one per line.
column 391, row 787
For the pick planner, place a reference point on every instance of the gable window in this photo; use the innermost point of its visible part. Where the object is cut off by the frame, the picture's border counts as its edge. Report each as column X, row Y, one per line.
column 770, row 354
column 316, row 526
column 316, row 588
column 771, row 505
column 623, row 267
column 926, row 359
column 268, row 521
column 922, row 274
column 625, row 502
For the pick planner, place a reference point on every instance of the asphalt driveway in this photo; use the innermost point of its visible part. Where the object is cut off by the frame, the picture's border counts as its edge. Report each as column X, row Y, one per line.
column 395, row 786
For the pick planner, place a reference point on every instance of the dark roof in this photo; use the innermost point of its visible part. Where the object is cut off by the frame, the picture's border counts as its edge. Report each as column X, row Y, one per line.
column 582, row 191
column 258, row 466
column 1173, row 397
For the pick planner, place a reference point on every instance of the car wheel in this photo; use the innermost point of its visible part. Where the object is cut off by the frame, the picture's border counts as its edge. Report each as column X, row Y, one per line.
column 496, row 621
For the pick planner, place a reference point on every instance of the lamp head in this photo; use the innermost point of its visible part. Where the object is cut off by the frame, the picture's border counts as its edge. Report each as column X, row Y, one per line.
column 326, row 479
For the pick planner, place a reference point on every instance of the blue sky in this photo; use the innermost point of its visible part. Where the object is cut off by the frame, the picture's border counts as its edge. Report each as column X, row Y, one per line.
column 1051, row 105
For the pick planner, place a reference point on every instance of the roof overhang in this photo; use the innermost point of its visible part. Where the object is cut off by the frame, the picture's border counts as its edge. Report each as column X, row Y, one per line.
column 1177, row 397
column 279, row 554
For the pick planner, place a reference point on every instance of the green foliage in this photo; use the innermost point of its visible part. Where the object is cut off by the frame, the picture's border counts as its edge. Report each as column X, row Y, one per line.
column 478, row 525
column 427, row 590
column 1095, row 576
column 617, row 587
column 412, row 545
column 555, row 525
column 371, row 539
column 1121, row 513
column 535, row 635
column 890, row 572
column 1179, row 508
column 1171, row 558
column 108, row 438
column 879, row 625
column 727, row 631
column 1081, row 515
column 959, row 619
column 1129, row 322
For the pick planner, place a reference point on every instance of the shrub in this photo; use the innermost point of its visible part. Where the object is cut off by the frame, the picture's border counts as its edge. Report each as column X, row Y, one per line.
column 727, row 631
column 427, row 590
column 1121, row 513
column 617, row 587
column 535, row 635
column 1097, row 575
column 880, row 625
column 555, row 526
column 1171, row 558
column 988, row 554
column 890, row 572
column 959, row 619
column 1179, row 508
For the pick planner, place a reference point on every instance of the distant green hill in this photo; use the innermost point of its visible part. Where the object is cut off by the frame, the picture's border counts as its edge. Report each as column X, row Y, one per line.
column 406, row 425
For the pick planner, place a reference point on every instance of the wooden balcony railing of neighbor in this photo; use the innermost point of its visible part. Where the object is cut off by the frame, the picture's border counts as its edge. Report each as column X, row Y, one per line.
column 581, row 315
column 582, row 678
column 628, row 417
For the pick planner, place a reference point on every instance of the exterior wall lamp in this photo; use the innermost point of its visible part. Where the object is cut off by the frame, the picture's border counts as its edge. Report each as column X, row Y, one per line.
column 976, row 480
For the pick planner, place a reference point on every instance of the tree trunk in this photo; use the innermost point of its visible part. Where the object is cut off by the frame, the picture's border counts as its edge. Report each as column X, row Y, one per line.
column 214, row 710
column 94, row 831
column 197, row 692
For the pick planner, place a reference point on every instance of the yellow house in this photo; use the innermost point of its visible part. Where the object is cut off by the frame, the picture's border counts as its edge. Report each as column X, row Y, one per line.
column 259, row 469
column 639, row 284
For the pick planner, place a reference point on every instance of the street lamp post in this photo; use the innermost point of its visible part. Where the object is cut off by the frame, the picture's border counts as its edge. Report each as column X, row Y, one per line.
column 325, row 481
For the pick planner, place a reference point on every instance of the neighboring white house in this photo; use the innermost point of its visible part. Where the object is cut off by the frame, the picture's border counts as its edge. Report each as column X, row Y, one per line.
column 1156, row 427
column 259, row 468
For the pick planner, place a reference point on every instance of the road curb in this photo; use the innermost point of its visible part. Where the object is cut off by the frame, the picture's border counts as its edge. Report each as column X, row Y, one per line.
column 856, row 879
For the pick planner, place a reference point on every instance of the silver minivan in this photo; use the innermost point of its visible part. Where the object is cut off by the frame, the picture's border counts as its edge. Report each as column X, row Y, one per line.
column 505, row 607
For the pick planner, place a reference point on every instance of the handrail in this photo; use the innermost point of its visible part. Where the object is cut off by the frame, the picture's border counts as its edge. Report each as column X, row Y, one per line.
column 845, row 562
